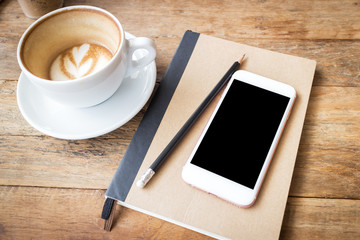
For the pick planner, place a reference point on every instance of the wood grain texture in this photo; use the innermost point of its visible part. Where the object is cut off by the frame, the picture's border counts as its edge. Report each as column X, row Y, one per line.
column 54, row 189
column 50, row 213
column 328, row 160
column 336, row 60
column 255, row 23
column 324, row 165
column 240, row 19
column 250, row 19
column 59, row 163
column 321, row 219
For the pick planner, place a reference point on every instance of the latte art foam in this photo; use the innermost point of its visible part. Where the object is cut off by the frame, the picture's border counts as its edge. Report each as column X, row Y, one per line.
column 79, row 61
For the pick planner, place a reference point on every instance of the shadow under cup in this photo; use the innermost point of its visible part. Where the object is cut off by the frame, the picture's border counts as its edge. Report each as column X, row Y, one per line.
column 63, row 29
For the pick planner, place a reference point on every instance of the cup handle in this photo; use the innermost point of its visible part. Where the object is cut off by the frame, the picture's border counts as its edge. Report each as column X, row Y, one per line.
column 136, row 44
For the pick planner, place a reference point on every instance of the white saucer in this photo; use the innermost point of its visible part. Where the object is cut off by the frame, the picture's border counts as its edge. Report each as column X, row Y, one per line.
column 63, row 122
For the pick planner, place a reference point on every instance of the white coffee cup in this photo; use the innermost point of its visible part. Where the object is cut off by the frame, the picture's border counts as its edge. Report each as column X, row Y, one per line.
column 64, row 28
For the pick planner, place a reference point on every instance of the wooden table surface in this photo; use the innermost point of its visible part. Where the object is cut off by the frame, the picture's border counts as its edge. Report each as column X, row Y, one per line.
column 54, row 189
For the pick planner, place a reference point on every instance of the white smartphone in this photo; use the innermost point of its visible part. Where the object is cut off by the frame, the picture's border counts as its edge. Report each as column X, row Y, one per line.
column 234, row 151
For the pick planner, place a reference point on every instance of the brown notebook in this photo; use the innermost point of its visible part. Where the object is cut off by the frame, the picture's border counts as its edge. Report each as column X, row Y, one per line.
column 167, row 196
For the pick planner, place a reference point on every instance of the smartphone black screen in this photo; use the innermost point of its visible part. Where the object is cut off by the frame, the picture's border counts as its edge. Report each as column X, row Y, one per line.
column 238, row 140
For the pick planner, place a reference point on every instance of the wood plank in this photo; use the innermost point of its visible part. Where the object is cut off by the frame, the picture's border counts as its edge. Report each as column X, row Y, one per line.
column 327, row 158
column 333, row 117
column 326, row 172
column 9, row 67
column 256, row 19
column 346, row 72
column 46, row 161
column 336, row 65
column 309, row 218
column 263, row 24
column 49, row 213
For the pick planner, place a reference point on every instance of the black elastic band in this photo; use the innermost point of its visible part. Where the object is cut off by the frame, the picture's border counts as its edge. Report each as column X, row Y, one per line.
column 107, row 208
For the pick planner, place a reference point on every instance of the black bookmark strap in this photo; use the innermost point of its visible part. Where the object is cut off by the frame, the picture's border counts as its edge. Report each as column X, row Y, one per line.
column 136, row 152
column 129, row 166
column 108, row 213
column 107, row 208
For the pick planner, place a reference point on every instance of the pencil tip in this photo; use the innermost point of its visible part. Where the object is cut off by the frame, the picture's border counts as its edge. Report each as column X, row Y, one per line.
column 242, row 59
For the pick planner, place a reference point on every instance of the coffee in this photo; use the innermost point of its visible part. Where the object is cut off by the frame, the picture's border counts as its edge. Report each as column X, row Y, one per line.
column 57, row 34
column 79, row 61
column 83, row 43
